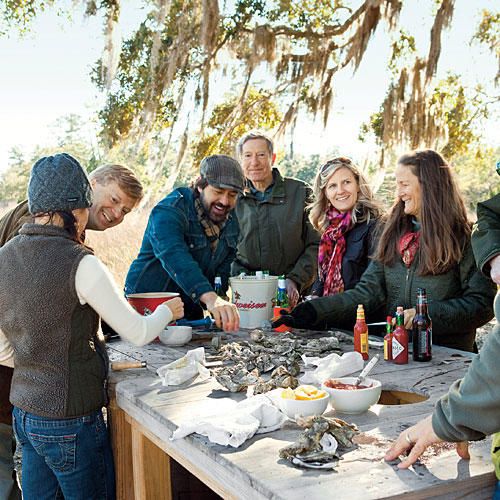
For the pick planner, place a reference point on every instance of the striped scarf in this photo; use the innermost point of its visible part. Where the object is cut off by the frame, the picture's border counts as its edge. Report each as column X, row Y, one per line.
column 212, row 230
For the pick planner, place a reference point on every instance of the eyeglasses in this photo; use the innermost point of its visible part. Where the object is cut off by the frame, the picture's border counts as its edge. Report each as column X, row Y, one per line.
column 341, row 160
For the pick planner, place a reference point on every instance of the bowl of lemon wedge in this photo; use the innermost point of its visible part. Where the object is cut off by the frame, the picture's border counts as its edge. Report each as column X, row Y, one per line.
column 305, row 400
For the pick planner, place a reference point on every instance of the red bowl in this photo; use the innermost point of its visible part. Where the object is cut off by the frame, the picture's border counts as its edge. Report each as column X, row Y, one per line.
column 146, row 303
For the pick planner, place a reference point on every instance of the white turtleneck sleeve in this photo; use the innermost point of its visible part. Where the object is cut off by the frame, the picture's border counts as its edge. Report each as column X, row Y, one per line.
column 96, row 287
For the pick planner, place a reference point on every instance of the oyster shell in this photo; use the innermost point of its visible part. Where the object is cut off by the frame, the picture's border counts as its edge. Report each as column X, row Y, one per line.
column 320, row 442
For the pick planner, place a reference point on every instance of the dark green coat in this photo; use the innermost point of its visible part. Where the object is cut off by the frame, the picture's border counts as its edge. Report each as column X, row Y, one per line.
column 459, row 301
column 276, row 234
column 486, row 234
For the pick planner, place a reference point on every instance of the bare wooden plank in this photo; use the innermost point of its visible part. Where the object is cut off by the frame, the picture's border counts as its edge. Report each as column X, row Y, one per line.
column 151, row 468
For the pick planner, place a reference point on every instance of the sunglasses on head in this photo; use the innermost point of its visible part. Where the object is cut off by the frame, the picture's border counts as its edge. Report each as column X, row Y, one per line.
column 336, row 161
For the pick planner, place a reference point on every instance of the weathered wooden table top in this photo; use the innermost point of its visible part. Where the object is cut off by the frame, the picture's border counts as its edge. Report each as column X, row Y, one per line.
column 255, row 470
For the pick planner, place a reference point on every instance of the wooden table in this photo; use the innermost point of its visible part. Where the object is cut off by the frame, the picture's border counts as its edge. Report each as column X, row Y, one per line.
column 144, row 414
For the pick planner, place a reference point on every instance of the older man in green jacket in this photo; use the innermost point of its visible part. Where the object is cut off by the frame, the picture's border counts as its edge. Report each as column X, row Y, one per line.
column 275, row 232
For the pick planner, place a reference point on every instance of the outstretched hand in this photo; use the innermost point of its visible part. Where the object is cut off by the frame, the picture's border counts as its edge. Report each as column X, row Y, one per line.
column 416, row 440
column 302, row 316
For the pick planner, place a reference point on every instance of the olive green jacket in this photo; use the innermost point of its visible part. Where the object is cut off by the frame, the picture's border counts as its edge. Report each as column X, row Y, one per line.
column 486, row 234
column 471, row 408
column 12, row 221
column 460, row 300
column 276, row 234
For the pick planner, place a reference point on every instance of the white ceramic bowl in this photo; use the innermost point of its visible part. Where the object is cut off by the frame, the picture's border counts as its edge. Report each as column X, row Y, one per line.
column 176, row 335
column 293, row 408
column 354, row 401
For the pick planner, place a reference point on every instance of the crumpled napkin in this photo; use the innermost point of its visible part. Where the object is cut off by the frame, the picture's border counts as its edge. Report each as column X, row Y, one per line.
column 182, row 369
column 331, row 366
column 235, row 422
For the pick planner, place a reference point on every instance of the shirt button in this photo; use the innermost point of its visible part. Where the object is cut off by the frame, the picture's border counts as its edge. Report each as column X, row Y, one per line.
column 191, row 245
column 193, row 295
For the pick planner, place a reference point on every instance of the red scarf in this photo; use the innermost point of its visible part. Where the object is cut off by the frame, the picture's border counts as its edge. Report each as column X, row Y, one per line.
column 408, row 246
column 331, row 251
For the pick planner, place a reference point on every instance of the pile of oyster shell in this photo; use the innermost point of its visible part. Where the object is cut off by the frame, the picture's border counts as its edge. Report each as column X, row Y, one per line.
column 277, row 353
column 318, row 446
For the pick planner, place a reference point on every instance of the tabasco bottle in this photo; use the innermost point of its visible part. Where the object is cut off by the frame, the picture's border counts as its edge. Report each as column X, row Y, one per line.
column 361, row 333
column 400, row 339
column 422, row 329
column 388, row 339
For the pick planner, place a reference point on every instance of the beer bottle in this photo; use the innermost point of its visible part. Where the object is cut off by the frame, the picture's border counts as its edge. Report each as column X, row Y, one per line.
column 400, row 339
column 422, row 329
column 218, row 286
column 361, row 333
column 281, row 295
column 388, row 339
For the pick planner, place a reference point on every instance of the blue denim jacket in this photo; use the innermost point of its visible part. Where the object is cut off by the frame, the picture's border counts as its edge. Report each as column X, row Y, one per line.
column 175, row 254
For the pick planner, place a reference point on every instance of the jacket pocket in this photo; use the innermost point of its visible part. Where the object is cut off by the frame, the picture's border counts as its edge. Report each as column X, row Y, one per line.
column 196, row 241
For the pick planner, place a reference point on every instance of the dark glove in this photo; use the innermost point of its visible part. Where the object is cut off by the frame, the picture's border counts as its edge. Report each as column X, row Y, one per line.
column 302, row 316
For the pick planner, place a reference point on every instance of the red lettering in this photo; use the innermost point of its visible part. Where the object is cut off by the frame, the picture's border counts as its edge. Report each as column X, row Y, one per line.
column 250, row 305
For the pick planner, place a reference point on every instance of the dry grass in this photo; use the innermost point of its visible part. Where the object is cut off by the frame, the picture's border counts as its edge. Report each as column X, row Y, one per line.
column 118, row 247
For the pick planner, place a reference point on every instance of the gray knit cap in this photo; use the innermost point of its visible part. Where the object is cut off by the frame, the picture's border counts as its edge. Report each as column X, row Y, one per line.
column 222, row 171
column 58, row 183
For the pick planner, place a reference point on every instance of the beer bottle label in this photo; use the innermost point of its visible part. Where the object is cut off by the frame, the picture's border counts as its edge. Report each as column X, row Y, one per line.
column 386, row 350
column 397, row 348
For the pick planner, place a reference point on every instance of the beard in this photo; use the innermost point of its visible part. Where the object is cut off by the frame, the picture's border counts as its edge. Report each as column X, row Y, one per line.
column 216, row 211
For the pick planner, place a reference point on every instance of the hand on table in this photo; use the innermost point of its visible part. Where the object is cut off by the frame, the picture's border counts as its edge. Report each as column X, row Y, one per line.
column 416, row 440
column 292, row 291
column 176, row 306
column 495, row 269
column 225, row 313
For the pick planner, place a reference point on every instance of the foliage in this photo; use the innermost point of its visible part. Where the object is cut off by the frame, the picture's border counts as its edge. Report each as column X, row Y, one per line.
column 488, row 33
column 223, row 132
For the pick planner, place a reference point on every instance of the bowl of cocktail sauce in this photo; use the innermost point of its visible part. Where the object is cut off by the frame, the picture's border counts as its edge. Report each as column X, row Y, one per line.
column 346, row 397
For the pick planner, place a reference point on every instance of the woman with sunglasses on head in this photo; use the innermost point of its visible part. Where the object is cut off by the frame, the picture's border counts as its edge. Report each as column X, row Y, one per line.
column 345, row 213
column 425, row 243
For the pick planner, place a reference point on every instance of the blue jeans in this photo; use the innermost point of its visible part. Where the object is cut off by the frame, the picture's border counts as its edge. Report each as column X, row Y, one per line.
column 65, row 457
column 496, row 493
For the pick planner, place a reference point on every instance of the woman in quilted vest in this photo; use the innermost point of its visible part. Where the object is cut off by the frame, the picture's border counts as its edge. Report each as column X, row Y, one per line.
column 52, row 292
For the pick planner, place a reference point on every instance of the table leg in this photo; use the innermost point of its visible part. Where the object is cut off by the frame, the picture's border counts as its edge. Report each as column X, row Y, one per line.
column 121, row 442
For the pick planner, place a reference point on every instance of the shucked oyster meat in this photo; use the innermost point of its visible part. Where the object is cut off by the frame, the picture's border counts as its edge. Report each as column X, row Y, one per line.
column 319, row 444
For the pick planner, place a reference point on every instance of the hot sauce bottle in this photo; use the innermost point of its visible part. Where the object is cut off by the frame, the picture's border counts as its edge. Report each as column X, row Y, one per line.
column 400, row 339
column 361, row 333
column 388, row 339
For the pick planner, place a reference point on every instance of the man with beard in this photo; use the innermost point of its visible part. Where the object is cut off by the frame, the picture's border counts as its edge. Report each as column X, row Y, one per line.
column 190, row 239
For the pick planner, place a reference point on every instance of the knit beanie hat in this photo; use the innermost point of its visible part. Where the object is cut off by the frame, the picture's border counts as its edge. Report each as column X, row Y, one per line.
column 222, row 171
column 58, row 183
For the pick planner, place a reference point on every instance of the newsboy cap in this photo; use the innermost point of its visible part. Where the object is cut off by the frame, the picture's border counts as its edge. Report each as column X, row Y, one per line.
column 58, row 183
column 222, row 171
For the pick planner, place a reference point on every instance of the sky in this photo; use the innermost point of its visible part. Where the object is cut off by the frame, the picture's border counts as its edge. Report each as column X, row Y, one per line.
column 46, row 75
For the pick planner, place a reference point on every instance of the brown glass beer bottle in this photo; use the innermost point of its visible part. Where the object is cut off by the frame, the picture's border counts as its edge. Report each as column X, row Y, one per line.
column 422, row 329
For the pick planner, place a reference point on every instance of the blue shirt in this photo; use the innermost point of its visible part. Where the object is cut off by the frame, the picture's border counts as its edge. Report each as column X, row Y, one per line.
column 175, row 254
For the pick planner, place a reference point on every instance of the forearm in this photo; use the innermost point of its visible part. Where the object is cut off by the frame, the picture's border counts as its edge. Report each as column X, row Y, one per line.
column 471, row 409
column 96, row 287
column 6, row 351
column 486, row 234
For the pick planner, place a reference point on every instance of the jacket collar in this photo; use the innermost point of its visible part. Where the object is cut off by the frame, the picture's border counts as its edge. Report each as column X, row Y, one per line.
column 278, row 190
column 33, row 229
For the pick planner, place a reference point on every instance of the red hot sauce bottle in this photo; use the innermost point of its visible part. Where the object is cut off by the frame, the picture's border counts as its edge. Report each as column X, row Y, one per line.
column 361, row 333
column 400, row 340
